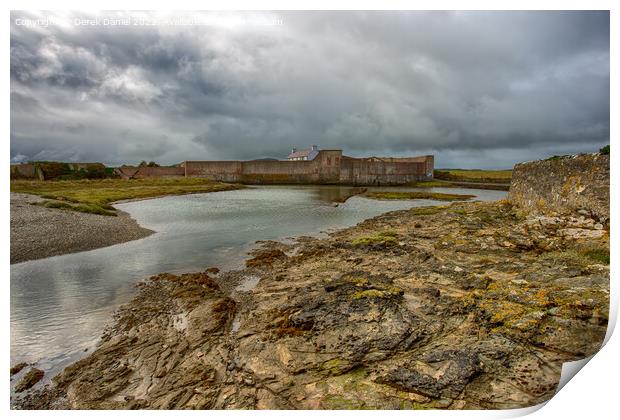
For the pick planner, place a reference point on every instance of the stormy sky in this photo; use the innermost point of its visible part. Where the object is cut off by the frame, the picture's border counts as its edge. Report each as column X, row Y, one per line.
column 476, row 89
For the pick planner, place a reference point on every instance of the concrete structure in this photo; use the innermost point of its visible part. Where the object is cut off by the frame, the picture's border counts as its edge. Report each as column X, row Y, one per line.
column 327, row 167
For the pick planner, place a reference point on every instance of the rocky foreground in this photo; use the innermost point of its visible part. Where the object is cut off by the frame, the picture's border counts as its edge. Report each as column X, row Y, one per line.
column 471, row 305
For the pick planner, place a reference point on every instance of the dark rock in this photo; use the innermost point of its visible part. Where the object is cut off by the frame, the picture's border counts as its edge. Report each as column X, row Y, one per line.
column 33, row 376
column 18, row 367
column 458, row 366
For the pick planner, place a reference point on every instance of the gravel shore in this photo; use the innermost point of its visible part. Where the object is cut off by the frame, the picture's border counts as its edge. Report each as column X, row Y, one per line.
column 39, row 232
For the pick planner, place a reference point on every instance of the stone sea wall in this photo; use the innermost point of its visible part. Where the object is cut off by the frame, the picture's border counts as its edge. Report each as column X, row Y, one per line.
column 563, row 185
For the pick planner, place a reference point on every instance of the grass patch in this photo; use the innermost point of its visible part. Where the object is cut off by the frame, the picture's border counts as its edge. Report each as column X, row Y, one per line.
column 387, row 237
column 95, row 196
column 582, row 256
column 83, row 208
column 430, row 184
column 474, row 175
column 416, row 195
column 598, row 255
column 426, row 211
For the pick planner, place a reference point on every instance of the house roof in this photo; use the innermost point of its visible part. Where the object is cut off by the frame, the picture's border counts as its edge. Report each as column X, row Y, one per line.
column 300, row 153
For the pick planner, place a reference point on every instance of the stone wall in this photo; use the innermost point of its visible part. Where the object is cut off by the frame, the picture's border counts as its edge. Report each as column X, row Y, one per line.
column 54, row 170
column 137, row 172
column 159, row 171
column 563, row 185
column 23, row 171
column 377, row 172
column 329, row 167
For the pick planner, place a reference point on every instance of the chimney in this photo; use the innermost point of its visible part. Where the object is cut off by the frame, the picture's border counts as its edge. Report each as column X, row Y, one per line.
column 315, row 147
column 294, row 150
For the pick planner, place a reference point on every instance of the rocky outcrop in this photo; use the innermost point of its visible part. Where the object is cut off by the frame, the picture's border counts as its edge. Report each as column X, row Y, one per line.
column 29, row 380
column 472, row 305
column 563, row 185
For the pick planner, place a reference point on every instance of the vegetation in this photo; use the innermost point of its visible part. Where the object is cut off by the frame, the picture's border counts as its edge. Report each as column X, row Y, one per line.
column 474, row 175
column 558, row 157
column 84, row 208
column 425, row 211
column 151, row 164
column 387, row 238
column 430, row 184
column 581, row 256
column 604, row 150
column 63, row 171
column 95, row 196
column 414, row 195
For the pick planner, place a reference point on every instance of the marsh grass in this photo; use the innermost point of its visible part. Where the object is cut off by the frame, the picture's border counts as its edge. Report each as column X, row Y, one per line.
column 430, row 184
column 474, row 175
column 95, row 196
column 387, row 237
column 426, row 211
column 83, row 208
column 581, row 256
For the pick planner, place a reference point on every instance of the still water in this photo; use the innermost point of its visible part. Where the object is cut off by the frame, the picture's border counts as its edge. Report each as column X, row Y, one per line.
column 60, row 305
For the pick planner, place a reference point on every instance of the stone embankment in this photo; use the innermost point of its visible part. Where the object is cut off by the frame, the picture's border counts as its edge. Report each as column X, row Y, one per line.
column 564, row 185
column 470, row 305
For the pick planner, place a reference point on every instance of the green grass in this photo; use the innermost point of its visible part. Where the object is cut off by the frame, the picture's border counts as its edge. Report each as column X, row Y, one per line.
column 95, row 196
column 414, row 195
column 431, row 184
column 83, row 208
column 387, row 237
column 598, row 255
column 425, row 211
column 474, row 175
column 580, row 256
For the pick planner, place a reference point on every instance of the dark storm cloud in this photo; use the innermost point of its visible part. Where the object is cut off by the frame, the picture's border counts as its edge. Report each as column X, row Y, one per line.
column 477, row 89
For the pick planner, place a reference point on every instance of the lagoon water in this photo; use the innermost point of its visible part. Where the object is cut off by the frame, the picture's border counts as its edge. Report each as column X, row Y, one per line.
column 60, row 305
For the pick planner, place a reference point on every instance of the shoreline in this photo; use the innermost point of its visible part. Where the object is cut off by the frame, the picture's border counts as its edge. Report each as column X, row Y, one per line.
column 120, row 229
column 38, row 232
column 371, row 308
column 117, row 229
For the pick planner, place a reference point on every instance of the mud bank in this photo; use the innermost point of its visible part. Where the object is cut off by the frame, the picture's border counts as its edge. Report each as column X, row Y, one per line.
column 40, row 232
column 472, row 305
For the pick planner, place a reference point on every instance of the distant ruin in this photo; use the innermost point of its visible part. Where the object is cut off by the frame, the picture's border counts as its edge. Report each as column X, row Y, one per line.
column 314, row 167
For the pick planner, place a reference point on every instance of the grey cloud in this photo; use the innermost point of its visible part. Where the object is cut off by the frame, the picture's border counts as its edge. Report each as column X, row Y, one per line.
column 483, row 89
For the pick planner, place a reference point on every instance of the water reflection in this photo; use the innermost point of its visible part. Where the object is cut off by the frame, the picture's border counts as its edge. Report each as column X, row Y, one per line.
column 59, row 305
